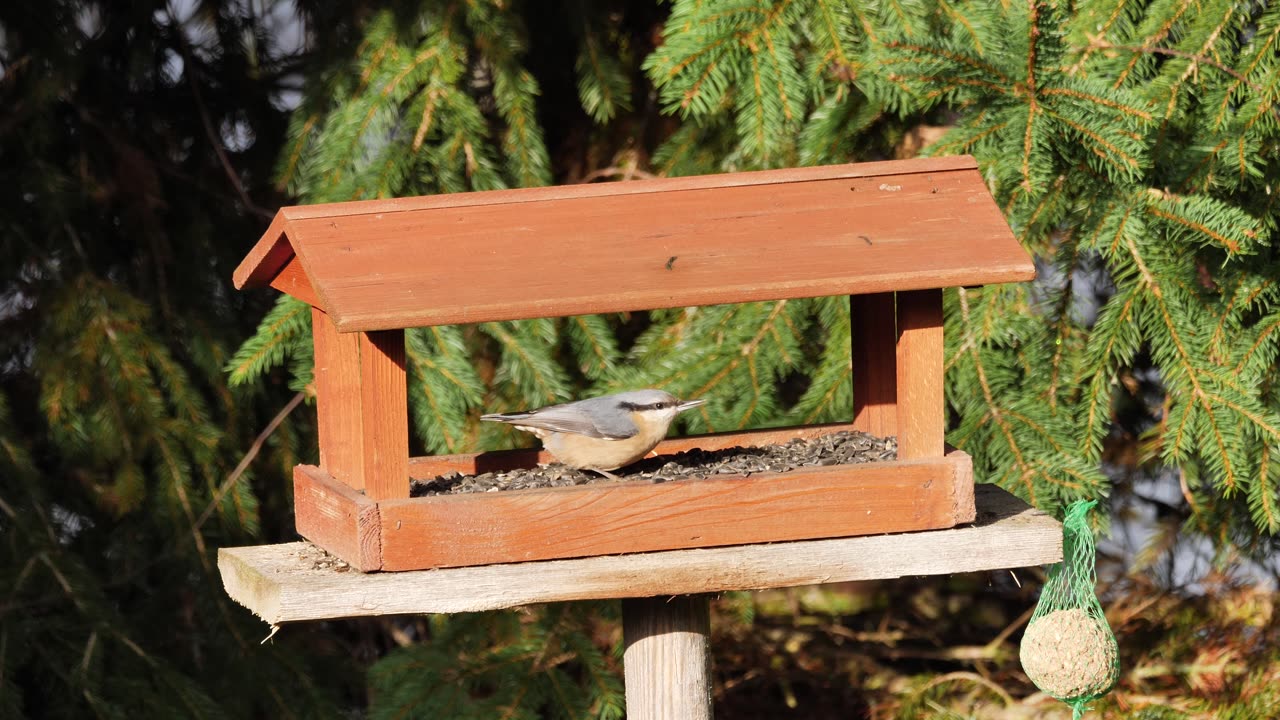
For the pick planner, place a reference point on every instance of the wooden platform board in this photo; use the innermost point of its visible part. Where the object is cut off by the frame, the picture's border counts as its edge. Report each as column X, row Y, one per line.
column 296, row 581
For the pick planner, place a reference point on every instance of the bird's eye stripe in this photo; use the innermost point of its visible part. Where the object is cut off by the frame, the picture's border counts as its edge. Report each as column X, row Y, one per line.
column 637, row 407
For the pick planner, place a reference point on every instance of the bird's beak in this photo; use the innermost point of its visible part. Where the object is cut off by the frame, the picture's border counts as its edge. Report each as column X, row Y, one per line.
column 688, row 405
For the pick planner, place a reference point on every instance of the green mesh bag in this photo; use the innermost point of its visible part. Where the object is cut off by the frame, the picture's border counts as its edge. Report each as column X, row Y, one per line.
column 1068, row 650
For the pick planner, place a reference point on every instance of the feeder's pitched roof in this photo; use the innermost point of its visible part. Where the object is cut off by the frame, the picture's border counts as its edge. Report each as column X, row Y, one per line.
column 673, row 242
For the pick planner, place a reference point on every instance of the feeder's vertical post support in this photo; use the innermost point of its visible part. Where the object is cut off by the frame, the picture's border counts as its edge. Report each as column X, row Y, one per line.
column 667, row 661
column 362, row 407
column 875, row 394
column 920, row 357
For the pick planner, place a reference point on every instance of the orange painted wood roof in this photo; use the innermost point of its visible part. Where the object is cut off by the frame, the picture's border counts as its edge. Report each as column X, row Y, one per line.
column 672, row 242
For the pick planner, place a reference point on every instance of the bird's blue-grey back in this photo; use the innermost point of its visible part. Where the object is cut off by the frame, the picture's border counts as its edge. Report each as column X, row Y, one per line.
column 607, row 417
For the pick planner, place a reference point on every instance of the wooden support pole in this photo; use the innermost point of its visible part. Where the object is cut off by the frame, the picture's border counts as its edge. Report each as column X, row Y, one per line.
column 362, row 408
column 874, row 380
column 667, row 661
column 921, row 403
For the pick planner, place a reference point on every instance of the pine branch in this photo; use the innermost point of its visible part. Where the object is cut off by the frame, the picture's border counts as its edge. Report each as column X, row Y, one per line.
column 829, row 396
column 527, row 359
column 300, row 132
column 444, row 387
column 604, row 88
column 1096, row 43
column 1264, row 491
column 594, row 345
column 277, row 337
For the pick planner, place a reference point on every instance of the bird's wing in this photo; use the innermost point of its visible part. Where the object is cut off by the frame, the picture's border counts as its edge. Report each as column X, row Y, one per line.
column 565, row 418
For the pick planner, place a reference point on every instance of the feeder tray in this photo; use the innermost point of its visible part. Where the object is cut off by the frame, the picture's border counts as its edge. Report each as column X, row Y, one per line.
column 891, row 235
column 841, row 448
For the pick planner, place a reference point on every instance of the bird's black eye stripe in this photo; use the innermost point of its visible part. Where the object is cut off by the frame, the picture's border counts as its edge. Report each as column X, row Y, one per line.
column 637, row 407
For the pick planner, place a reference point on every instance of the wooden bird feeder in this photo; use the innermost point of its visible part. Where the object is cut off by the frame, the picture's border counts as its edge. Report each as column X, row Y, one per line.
column 889, row 234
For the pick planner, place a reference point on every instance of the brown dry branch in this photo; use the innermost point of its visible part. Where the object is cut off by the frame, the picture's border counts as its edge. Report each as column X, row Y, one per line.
column 249, row 455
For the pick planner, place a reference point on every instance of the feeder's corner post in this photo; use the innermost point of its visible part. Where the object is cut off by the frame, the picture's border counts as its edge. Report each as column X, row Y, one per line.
column 922, row 408
column 362, row 407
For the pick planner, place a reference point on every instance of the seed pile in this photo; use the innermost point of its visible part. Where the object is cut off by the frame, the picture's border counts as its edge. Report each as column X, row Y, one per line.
column 840, row 448
column 1069, row 654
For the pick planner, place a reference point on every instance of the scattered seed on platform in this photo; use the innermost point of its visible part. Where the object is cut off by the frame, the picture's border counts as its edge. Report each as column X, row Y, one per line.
column 319, row 559
column 840, row 448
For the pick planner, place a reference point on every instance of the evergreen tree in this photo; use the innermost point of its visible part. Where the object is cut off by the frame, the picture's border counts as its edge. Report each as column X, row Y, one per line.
column 135, row 141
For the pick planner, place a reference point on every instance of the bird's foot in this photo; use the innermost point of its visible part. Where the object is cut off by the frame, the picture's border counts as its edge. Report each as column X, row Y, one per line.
column 605, row 473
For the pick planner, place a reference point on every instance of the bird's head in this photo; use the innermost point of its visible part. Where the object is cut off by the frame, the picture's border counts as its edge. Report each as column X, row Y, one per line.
column 653, row 407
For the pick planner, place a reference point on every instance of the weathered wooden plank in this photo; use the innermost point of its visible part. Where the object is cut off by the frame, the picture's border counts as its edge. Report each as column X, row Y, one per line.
column 715, row 241
column 922, row 412
column 336, row 517
column 384, row 415
column 875, row 394
column 297, row 581
column 640, row 516
column 667, row 660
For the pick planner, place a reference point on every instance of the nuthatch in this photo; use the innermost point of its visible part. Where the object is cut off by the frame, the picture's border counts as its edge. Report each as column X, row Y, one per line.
column 602, row 433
